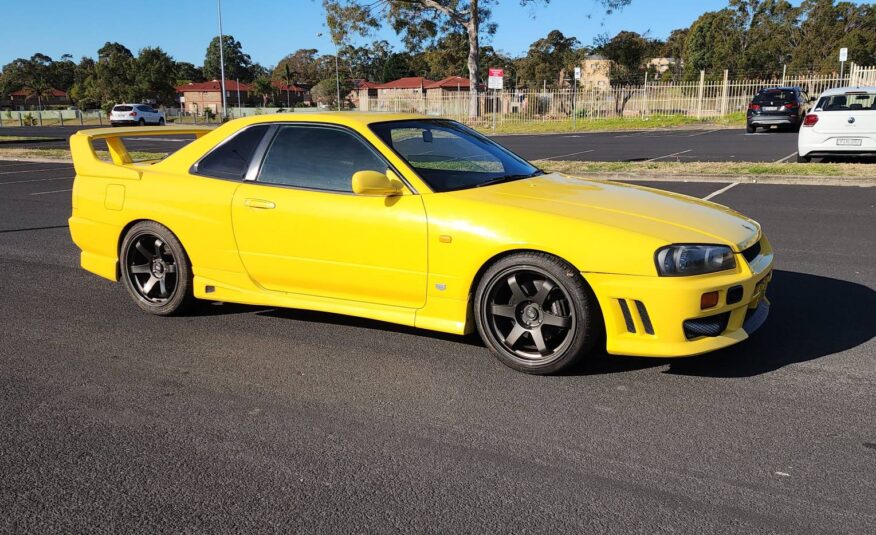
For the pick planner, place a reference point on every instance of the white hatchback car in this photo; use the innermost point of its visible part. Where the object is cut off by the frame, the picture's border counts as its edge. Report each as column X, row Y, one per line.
column 842, row 123
column 135, row 114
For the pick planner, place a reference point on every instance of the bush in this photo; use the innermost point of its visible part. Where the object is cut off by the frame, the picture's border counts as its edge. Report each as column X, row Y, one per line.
column 29, row 120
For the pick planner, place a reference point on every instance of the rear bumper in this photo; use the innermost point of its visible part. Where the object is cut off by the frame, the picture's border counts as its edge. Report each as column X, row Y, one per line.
column 814, row 144
column 124, row 123
column 782, row 120
column 646, row 316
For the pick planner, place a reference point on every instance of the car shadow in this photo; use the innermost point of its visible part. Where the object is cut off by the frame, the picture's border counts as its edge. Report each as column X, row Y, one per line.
column 811, row 317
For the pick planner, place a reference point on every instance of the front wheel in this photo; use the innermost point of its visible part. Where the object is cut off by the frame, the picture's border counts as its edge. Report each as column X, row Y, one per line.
column 536, row 313
column 155, row 269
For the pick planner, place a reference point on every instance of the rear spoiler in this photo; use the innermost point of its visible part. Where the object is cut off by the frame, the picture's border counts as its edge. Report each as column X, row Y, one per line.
column 86, row 161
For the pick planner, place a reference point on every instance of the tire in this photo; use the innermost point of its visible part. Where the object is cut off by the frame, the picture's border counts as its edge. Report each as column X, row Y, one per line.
column 161, row 121
column 156, row 270
column 750, row 129
column 804, row 159
column 544, row 304
column 141, row 122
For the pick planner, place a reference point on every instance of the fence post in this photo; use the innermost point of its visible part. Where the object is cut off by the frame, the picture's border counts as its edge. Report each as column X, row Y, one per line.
column 1, row 120
column 79, row 114
column 20, row 120
column 700, row 95
column 61, row 117
column 645, row 97
column 100, row 117
column 724, row 94
column 40, row 117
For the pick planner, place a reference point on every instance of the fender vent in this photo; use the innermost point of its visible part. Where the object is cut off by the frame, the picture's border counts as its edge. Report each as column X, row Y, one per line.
column 642, row 312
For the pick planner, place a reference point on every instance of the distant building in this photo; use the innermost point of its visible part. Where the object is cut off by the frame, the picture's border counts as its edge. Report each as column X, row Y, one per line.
column 295, row 93
column 660, row 65
column 23, row 100
column 362, row 91
column 595, row 72
column 447, row 86
column 410, row 87
column 197, row 97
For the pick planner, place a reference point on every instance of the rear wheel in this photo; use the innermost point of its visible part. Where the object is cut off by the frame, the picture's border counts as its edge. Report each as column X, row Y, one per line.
column 155, row 269
column 141, row 122
column 750, row 129
column 536, row 313
column 161, row 121
column 804, row 159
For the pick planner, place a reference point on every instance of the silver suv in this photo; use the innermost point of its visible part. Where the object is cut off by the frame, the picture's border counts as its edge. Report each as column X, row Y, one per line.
column 135, row 114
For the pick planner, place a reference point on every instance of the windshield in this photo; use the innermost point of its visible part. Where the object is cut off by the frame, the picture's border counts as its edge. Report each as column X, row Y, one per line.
column 848, row 102
column 123, row 108
column 449, row 156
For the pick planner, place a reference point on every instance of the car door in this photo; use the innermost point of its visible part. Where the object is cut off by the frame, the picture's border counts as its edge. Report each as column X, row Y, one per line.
column 300, row 228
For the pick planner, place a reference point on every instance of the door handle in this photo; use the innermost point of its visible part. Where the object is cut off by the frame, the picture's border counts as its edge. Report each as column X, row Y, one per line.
column 259, row 203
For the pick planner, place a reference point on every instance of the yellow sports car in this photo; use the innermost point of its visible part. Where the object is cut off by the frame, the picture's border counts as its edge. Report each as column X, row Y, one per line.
column 423, row 222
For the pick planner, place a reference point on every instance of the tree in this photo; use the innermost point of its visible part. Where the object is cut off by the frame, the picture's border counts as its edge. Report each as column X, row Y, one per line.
column 156, row 76
column 420, row 20
column 366, row 62
column 262, row 86
column 237, row 64
column 303, row 62
column 325, row 91
column 548, row 56
column 185, row 72
column 628, row 52
column 34, row 75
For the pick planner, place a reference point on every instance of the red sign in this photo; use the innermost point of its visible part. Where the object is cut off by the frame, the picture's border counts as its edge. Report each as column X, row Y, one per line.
column 497, row 72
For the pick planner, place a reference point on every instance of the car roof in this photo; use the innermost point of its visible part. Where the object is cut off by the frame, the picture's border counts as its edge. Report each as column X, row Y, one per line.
column 849, row 89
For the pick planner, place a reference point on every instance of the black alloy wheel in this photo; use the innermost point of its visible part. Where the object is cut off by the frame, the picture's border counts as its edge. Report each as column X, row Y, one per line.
column 155, row 269
column 536, row 313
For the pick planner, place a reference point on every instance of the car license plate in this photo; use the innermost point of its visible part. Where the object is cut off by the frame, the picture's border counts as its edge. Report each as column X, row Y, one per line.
column 770, row 108
column 849, row 141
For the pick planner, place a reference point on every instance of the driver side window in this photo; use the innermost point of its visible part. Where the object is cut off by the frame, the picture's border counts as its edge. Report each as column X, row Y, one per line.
column 317, row 157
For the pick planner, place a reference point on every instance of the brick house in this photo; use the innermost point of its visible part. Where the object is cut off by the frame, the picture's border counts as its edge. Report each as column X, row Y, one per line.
column 451, row 85
column 23, row 100
column 410, row 87
column 196, row 97
column 294, row 92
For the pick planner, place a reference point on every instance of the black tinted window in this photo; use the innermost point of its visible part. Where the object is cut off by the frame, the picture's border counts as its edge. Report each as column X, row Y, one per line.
column 123, row 108
column 231, row 159
column 776, row 97
column 317, row 157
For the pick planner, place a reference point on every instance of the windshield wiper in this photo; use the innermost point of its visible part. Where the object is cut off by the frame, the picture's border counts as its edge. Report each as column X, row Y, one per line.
column 509, row 178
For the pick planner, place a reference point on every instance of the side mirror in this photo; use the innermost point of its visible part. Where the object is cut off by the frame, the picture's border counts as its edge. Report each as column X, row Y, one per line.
column 376, row 183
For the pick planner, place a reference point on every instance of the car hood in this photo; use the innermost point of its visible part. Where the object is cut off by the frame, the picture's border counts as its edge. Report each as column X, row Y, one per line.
column 669, row 217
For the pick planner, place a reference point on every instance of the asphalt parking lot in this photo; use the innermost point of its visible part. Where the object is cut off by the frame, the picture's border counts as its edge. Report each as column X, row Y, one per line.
column 249, row 418
column 681, row 144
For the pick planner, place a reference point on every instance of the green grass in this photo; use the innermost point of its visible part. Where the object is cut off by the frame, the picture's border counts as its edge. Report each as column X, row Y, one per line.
column 64, row 154
column 23, row 138
column 646, row 169
column 733, row 120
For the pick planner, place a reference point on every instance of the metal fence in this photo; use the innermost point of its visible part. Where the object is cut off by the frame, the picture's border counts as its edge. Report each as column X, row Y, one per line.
column 701, row 99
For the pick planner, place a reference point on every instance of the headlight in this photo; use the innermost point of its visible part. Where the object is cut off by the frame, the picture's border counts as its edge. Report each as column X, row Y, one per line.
column 680, row 260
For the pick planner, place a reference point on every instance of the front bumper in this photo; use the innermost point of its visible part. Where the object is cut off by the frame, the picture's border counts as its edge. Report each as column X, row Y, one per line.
column 645, row 316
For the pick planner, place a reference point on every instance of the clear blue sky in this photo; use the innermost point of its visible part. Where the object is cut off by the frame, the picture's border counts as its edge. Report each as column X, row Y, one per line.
column 270, row 29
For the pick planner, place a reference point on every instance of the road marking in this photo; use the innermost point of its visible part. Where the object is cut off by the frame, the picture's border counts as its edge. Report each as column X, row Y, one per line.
column 570, row 154
column 54, row 191
column 786, row 157
column 668, row 155
column 36, row 180
column 702, row 133
column 720, row 191
column 33, row 170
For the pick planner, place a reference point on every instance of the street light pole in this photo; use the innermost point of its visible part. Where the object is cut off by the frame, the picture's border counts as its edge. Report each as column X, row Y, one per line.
column 337, row 76
column 222, row 58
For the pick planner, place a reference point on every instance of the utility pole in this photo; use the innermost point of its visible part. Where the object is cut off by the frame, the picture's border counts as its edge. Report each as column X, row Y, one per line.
column 222, row 58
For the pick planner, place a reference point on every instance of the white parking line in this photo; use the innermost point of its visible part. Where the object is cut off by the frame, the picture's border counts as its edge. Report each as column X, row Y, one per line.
column 36, row 180
column 786, row 157
column 720, row 191
column 668, row 155
column 570, row 154
column 702, row 133
column 54, row 191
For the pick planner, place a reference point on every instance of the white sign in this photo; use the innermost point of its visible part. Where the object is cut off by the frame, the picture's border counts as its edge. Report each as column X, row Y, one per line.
column 495, row 79
column 577, row 73
column 844, row 54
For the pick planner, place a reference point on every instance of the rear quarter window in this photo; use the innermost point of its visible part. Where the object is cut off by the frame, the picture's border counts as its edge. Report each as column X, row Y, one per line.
column 231, row 159
column 847, row 102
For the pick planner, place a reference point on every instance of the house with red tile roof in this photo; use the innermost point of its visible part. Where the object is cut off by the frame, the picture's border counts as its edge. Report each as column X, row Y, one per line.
column 198, row 96
column 411, row 86
column 289, row 94
column 24, row 99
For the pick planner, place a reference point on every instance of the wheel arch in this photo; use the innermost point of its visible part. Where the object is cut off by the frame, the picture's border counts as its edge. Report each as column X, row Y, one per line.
column 127, row 228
